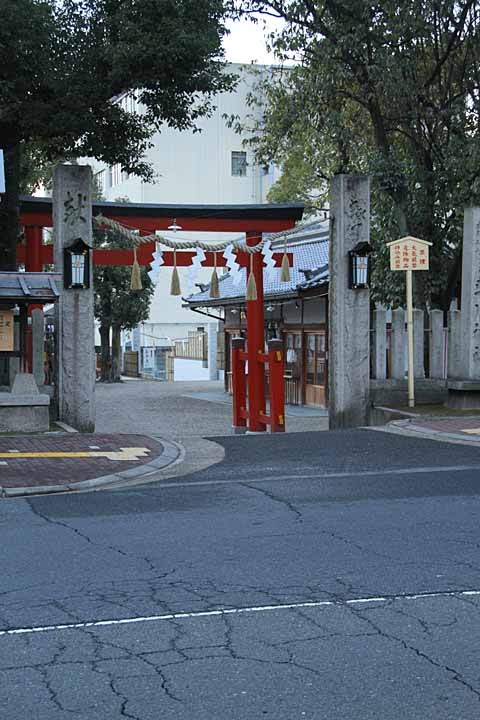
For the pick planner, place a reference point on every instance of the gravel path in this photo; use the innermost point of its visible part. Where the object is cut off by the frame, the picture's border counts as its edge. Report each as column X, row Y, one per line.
column 165, row 409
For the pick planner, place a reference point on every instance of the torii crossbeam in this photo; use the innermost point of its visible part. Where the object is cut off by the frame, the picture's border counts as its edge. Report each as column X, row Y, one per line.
column 253, row 220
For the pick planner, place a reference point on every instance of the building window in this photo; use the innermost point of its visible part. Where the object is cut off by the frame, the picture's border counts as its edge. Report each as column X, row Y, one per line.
column 101, row 181
column 239, row 163
column 128, row 103
column 116, row 175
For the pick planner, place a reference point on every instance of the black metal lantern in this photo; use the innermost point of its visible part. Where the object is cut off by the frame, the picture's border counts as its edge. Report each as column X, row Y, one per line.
column 76, row 265
column 359, row 266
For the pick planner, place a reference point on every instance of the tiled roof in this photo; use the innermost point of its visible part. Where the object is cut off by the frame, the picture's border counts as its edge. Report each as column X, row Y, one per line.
column 309, row 247
column 23, row 286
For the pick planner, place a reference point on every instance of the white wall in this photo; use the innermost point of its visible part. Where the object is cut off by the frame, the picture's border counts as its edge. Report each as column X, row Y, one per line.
column 196, row 167
column 189, row 370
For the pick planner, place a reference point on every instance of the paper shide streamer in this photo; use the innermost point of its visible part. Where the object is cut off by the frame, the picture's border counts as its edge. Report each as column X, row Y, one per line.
column 194, row 268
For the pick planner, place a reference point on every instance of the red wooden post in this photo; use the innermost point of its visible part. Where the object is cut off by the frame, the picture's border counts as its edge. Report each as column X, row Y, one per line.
column 33, row 254
column 277, row 385
column 239, row 385
column 256, row 343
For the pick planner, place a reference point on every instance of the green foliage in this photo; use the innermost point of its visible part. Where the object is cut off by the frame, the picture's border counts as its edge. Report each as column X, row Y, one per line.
column 63, row 63
column 116, row 305
column 385, row 88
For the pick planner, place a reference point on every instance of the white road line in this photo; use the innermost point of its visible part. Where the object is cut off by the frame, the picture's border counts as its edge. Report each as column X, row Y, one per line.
column 313, row 476
column 239, row 611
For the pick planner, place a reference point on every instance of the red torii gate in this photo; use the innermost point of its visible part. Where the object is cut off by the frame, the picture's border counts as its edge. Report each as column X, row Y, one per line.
column 253, row 220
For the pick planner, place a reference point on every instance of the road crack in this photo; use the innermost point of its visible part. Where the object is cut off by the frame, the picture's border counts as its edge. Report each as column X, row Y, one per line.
column 455, row 674
column 274, row 498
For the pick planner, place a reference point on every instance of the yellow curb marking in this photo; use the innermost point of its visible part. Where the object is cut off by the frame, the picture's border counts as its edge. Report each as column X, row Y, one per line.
column 132, row 453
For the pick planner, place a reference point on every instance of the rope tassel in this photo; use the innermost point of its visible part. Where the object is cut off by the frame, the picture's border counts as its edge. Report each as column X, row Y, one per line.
column 214, row 286
column 175, row 281
column 285, row 271
column 136, row 279
column 251, row 284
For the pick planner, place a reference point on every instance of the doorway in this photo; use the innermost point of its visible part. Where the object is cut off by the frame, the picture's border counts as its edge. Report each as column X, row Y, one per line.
column 315, row 368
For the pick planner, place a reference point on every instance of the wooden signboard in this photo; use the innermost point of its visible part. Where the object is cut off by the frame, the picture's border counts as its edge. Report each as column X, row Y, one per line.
column 6, row 331
column 409, row 254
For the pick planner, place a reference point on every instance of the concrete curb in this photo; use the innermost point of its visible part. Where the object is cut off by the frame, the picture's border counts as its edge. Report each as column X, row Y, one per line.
column 171, row 455
column 409, row 429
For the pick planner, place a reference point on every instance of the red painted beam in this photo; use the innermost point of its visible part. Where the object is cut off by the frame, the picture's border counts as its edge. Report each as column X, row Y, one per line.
column 111, row 256
column 184, row 258
column 150, row 225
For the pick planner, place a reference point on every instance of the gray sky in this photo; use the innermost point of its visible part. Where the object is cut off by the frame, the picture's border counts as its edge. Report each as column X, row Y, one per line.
column 246, row 42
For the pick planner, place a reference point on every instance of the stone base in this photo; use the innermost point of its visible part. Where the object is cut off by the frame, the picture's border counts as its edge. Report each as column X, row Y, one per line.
column 393, row 393
column 24, row 418
column 24, row 409
column 464, row 394
column 239, row 430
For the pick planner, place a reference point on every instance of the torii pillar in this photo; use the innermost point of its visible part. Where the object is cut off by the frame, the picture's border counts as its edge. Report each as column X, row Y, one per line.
column 72, row 219
column 256, row 342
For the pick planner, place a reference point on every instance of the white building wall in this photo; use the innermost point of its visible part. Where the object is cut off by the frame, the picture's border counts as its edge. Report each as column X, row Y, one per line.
column 189, row 370
column 196, row 167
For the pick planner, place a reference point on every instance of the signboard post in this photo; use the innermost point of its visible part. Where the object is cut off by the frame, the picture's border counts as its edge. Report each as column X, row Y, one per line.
column 409, row 254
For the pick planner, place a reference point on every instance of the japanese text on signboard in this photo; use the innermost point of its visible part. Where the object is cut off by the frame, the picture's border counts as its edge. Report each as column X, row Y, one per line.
column 409, row 255
column 6, row 330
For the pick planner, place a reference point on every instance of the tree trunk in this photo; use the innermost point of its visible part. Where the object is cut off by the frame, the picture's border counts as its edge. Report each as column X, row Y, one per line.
column 116, row 354
column 105, row 356
column 10, row 208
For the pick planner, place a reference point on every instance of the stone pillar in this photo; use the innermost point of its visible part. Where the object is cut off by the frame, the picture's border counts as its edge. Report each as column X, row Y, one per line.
column 398, row 344
column 436, row 348
column 38, row 345
column 72, row 219
column 380, row 344
column 212, row 351
column 418, row 343
column 454, row 359
column 471, row 294
column 349, row 310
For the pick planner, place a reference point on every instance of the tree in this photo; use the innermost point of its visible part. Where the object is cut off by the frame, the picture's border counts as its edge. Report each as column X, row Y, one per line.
column 117, row 307
column 386, row 88
column 63, row 63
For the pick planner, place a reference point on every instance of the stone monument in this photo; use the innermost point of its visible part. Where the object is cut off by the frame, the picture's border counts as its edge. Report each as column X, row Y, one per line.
column 349, row 309
column 72, row 222
column 464, row 392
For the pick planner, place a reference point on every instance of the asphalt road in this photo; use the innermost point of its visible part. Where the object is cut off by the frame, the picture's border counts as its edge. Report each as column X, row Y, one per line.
column 319, row 576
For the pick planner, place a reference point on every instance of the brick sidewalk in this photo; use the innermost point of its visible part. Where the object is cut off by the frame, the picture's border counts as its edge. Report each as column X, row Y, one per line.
column 466, row 429
column 469, row 426
column 37, row 460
